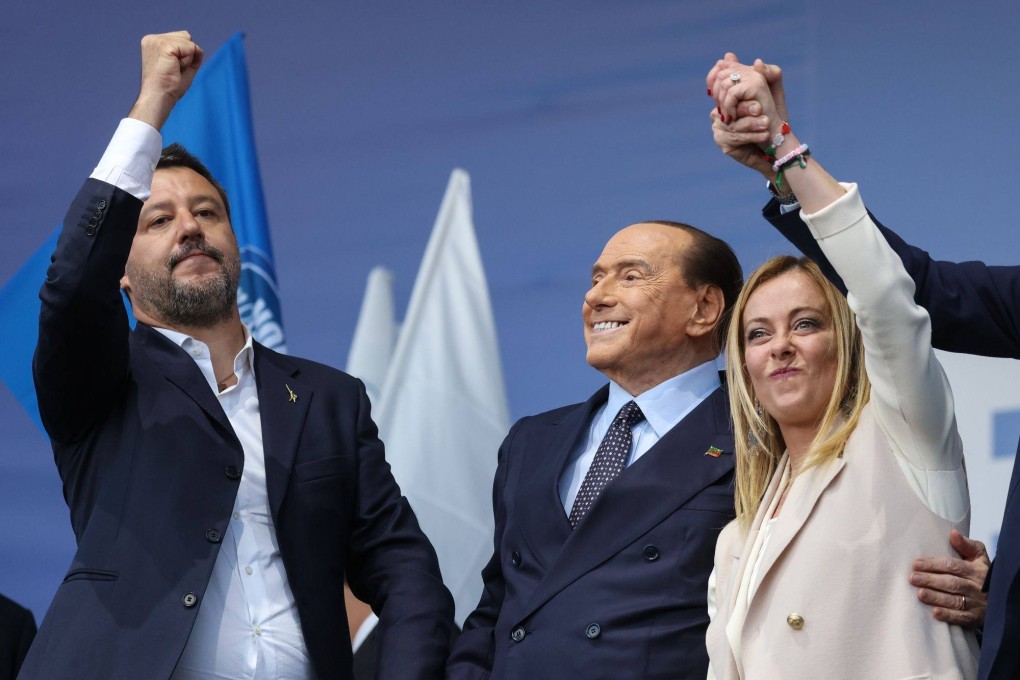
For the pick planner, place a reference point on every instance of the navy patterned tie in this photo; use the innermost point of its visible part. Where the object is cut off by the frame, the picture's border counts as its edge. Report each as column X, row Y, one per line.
column 610, row 459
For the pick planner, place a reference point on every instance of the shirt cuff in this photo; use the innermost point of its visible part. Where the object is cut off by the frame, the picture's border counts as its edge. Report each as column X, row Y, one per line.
column 130, row 159
column 843, row 213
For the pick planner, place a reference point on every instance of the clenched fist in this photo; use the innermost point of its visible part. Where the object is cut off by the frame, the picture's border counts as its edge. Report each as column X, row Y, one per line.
column 169, row 64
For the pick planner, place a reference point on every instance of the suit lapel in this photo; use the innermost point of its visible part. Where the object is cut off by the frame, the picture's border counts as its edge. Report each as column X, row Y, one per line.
column 538, row 507
column 799, row 504
column 665, row 478
column 283, row 407
column 181, row 370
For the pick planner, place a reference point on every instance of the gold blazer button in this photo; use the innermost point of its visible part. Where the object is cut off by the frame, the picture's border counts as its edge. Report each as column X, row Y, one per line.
column 796, row 621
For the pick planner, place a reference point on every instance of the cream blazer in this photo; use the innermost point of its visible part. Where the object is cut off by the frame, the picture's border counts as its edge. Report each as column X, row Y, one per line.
column 833, row 598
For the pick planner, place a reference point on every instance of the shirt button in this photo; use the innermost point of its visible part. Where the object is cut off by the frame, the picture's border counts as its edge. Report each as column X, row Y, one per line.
column 593, row 631
column 248, row 570
column 258, row 630
column 189, row 600
column 650, row 553
column 232, row 472
column 517, row 634
column 213, row 536
column 795, row 621
column 515, row 558
column 236, row 515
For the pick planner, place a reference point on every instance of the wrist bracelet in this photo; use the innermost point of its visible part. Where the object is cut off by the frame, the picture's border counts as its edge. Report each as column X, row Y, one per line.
column 785, row 160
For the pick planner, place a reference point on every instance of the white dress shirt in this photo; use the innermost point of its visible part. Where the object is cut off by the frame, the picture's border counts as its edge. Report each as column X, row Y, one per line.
column 247, row 624
column 664, row 406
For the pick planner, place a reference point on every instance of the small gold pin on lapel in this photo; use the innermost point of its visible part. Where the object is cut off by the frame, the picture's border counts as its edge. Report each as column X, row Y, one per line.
column 293, row 396
column 713, row 451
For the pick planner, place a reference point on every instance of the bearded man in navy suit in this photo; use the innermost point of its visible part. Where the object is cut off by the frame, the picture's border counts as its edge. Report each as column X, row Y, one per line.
column 596, row 575
column 219, row 492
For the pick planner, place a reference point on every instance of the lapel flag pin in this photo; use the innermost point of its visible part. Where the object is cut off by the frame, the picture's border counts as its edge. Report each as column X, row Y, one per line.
column 293, row 396
column 713, row 451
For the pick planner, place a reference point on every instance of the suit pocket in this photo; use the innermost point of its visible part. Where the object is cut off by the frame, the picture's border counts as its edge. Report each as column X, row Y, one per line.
column 86, row 574
column 334, row 466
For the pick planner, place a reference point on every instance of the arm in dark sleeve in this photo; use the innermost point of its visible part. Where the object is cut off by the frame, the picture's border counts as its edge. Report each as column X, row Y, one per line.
column 393, row 567
column 81, row 358
column 974, row 307
column 472, row 655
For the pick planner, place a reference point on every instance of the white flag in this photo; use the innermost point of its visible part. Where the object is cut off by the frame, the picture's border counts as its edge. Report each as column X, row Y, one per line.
column 375, row 336
column 443, row 412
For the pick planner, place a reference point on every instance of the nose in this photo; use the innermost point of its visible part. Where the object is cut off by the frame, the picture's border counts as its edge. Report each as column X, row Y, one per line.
column 600, row 295
column 781, row 345
column 187, row 226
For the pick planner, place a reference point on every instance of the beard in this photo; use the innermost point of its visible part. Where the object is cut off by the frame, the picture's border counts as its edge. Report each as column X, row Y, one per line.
column 199, row 304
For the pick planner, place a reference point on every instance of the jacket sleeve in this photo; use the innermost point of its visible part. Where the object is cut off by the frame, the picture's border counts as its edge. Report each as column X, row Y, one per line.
column 473, row 652
column 81, row 358
column 974, row 307
column 393, row 567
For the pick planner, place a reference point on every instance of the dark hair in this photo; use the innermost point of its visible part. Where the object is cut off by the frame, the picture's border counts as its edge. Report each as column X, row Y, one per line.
column 710, row 260
column 176, row 156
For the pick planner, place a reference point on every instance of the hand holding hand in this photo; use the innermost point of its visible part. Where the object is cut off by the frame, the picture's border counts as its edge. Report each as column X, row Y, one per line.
column 750, row 109
column 953, row 586
column 169, row 64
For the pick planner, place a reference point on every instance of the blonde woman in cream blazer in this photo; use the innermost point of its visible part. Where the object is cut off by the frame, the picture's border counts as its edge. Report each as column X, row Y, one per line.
column 839, row 480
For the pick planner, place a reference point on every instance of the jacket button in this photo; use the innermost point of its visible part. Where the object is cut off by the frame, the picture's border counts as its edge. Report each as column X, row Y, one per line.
column 101, row 204
column 213, row 536
column 90, row 230
column 517, row 634
column 795, row 621
column 232, row 472
column 515, row 558
column 97, row 214
column 650, row 553
column 190, row 600
column 593, row 631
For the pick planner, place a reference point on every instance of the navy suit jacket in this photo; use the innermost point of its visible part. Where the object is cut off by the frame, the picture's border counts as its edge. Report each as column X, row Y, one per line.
column 17, row 629
column 624, row 594
column 151, row 466
column 974, row 309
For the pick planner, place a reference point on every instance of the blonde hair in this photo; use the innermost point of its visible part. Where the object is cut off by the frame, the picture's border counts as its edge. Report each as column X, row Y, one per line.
column 759, row 443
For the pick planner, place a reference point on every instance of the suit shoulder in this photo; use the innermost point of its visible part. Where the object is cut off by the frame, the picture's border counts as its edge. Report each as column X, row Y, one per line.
column 11, row 610
column 312, row 371
column 551, row 416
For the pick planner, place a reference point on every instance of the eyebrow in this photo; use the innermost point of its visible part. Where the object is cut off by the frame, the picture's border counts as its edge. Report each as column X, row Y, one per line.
column 624, row 264
column 201, row 198
column 793, row 312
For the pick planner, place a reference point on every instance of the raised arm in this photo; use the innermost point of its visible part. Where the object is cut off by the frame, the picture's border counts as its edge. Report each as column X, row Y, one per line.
column 909, row 389
column 83, row 328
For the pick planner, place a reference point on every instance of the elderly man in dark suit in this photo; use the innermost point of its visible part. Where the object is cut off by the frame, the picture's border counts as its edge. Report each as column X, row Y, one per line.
column 607, row 512
column 219, row 492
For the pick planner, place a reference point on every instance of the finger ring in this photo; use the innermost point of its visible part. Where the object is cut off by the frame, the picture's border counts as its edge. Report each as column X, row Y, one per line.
column 963, row 605
column 735, row 77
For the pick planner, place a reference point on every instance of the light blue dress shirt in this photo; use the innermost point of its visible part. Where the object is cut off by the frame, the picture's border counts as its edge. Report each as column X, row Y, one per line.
column 664, row 406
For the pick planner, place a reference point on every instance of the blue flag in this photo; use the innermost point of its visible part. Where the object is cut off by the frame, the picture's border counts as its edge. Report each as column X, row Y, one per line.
column 212, row 121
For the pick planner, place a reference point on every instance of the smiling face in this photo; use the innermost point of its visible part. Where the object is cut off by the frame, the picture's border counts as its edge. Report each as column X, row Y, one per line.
column 642, row 322
column 184, row 263
column 790, row 349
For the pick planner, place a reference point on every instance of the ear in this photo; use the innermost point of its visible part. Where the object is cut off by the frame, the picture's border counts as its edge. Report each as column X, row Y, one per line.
column 125, row 284
column 711, row 303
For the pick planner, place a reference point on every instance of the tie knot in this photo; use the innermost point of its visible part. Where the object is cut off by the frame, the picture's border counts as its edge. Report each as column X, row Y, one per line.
column 629, row 416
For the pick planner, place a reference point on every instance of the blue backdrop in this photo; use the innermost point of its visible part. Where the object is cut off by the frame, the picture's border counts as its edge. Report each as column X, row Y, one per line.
column 574, row 119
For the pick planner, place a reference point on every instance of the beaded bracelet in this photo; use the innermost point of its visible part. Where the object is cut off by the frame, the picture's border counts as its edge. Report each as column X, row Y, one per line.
column 777, row 141
column 788, row 160
column 781, row 163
